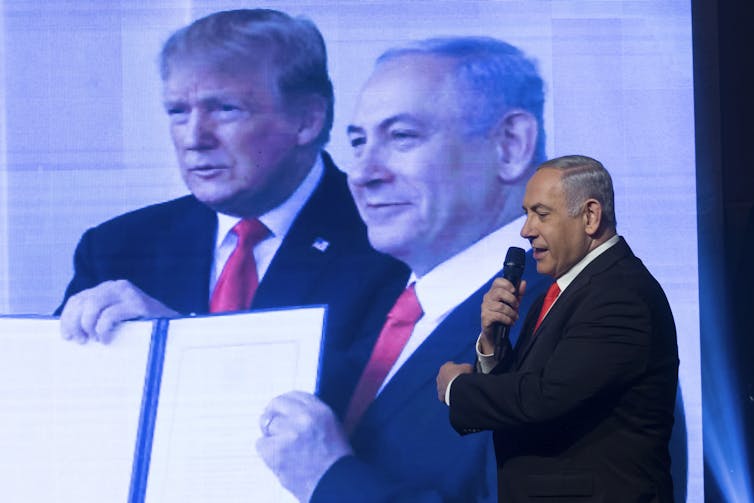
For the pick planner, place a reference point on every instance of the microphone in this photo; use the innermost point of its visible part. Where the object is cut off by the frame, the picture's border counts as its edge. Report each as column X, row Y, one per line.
column 513, row 269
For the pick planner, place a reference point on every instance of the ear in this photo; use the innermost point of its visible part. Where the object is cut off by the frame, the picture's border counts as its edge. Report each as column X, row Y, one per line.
column 516, row 140
column 311, row 116
column 592, row 216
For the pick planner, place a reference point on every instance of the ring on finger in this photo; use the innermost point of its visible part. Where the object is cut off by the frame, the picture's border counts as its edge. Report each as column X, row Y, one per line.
column 266, row 425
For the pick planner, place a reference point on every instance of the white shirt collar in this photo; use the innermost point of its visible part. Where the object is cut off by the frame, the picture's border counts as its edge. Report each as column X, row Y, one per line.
column 567, row 278
column 278, row 220
column 453, row 281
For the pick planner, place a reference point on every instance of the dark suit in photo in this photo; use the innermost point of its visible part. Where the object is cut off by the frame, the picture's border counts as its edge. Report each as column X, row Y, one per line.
column 405, row 450
column 167, row 251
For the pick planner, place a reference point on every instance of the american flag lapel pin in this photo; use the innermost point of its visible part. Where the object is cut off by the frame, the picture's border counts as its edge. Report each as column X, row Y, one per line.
column 320, row 244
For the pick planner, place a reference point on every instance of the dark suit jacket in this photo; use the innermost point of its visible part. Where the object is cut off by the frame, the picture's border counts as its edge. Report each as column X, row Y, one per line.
column 405, row 450
column 583, row 408
column 167, row 251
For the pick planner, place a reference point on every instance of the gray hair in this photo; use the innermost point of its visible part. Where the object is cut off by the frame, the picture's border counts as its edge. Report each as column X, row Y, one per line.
column 293, row 45
column 496, row 76
column 585, row 178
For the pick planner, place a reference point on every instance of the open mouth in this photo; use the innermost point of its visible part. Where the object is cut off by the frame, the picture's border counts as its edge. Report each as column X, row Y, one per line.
column 538, row 253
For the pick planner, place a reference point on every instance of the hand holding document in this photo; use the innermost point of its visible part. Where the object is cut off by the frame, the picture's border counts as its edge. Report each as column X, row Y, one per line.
column 169, row 411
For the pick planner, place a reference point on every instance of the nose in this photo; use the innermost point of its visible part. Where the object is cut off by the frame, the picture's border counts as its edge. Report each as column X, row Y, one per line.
column 370, row 166
column 198, row 132
column 527, row 231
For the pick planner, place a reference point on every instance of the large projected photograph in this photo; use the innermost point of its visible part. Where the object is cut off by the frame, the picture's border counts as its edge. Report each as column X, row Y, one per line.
column 181, row 163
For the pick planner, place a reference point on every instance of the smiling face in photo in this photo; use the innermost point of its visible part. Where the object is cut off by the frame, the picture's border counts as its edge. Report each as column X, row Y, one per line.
column 420, row 183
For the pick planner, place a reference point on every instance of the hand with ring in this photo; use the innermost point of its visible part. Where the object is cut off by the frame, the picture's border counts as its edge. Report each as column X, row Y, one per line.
column 301, row 439
column 265, row 420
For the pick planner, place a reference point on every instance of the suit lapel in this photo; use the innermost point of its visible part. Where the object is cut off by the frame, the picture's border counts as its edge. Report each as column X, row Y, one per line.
column 561, row 310
column 185, row 258
column 312, row 243
column 526, row 338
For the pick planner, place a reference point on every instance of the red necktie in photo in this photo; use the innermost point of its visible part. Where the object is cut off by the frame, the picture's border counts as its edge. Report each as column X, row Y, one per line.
column 395, row 333
column 238, row 281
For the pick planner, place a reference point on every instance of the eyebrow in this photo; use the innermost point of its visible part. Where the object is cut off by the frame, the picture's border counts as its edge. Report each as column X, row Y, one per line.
column 385, row 123
column 351, row 129
column 537, row 206
column 210, row 96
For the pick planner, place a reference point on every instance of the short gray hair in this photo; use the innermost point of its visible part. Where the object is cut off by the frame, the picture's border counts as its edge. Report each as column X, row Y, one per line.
column 585, row 178
column 496, row 76
column 293, row 45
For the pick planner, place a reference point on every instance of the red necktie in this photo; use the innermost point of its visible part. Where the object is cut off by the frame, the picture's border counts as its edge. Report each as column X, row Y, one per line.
column 394, row 335
column 550, row 296
column 237, row 283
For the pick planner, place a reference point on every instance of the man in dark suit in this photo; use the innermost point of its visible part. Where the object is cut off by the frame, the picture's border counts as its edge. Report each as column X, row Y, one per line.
column 582, row 409
column 250, row 106
column 445, row 134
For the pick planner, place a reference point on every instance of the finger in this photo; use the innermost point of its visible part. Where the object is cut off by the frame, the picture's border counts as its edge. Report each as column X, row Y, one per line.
column 281, row 404
column 280, row 408
column 70, row 327
column 440, row 380
column 91, row 308
column 109, row 318
column 297, row 402
column 265, row 421
column 503, row 284
column 279, row 413
column 130, row 305
column 509, row 298
column 122, row 301
column 498, row 295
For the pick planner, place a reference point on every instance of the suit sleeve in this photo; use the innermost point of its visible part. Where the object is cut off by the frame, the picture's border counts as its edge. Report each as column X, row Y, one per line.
column 602, row 347
column 351, row 479
column 84, row 270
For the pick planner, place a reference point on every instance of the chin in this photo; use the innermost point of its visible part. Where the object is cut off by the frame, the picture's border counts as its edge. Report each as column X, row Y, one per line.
column 544, row 270
column 217, row 203
column 386, row 240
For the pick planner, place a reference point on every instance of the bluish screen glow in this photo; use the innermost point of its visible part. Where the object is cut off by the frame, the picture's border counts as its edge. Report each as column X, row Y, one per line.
column 83, row 136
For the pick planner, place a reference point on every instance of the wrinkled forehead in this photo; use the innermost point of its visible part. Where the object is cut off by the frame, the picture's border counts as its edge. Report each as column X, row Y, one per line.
column 416, row 70
column 409, row 84
column 545, row 185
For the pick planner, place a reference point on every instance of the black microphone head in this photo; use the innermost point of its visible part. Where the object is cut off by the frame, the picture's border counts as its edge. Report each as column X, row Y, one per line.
column 513, row 268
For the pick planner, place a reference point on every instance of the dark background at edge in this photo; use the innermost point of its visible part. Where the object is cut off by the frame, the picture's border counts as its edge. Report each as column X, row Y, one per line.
column 724, row 85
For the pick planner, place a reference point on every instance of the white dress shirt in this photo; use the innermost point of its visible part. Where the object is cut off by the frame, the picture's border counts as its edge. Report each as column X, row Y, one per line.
column 278, row 221
column 453, row 281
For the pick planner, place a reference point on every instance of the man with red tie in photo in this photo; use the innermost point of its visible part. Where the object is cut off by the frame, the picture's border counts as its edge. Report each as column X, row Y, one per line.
column 445, row 134
column 269, row 221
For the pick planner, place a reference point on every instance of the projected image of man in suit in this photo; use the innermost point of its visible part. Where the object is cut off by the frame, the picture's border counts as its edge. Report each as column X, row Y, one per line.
column 445, row 134
column 582, row 407
column 250, row 107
